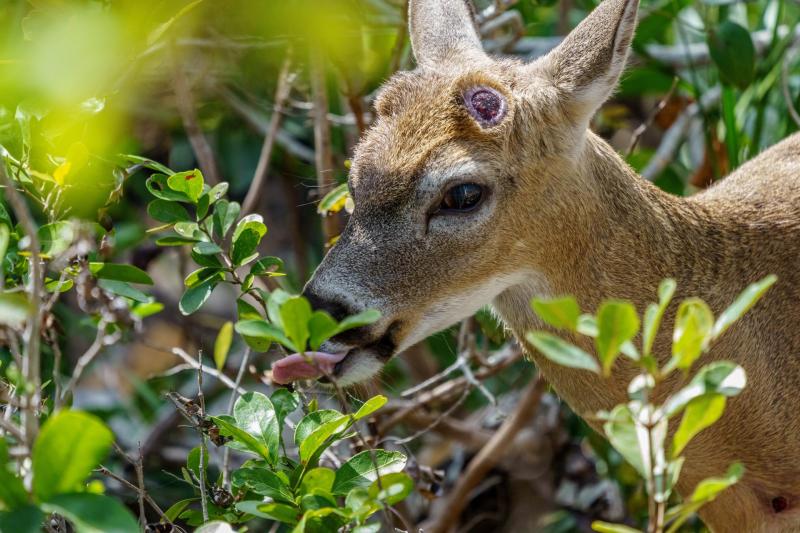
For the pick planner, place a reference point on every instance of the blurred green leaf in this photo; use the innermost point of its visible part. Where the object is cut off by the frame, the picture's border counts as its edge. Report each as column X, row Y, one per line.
column 746, row 300
column 70, row 445
column 25, row 519
column 733, row 52
column 699, row 414
column 334, row 201
column 562, row 352
column 693, row 323
column 121, row 288
column 654, row 314
column 617, row 323
column 259, row 334
column 55, row 238
column 364, row 467
column 266, row 265
column 605, row 527
column 92, row 513
column 559, row 313
column 167, row 211
column 12, row 491
column 206, row 248
column 708, row 489
column 13, row 309
column 223, row 344
column 321, row 327
column 620, row 428
column 720, row 377
column 120, row 272
column 202, row 275
column 363, row 318
column 392, row 488
column 193, row 461
column 288, row 514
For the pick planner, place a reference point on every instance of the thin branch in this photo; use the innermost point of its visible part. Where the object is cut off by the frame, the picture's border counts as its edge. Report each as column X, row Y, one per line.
column 487, row 458
column 226, row 453
column 323, row 150
column 787, row 94
column 139, row 466
column 100, row 341
column 285, row 81
column 192, row 364
column 122, row 481
column 185, row 103
column 203, row 450
column 31, row 368
column 644, row 126
column 9, row 427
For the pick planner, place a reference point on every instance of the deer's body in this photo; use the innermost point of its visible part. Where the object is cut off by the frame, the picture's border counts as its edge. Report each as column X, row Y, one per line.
column 479, row 183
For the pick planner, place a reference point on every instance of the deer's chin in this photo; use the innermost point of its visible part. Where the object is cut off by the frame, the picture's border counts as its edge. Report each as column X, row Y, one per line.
column 359, row 365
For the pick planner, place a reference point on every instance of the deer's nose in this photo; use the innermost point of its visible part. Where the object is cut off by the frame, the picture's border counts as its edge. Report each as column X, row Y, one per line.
column 338, row 308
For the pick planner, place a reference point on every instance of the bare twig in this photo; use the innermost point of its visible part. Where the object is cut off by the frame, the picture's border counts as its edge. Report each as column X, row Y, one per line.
column 486, row 459
column 122, row 481
column 31, row 368
column 637, row 134
column 226, row 453
column 285, row 81
column 140, row 481
column 185, row 103
column 8, row 426
column 100, row 341
column 201, row 470
column 192, row 364
column 323, row 151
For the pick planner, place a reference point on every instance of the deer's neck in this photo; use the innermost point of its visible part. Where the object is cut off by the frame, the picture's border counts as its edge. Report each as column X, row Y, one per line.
column 618, row 237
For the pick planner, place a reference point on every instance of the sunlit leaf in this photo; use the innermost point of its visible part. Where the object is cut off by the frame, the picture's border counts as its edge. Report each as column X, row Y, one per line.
column 746, row 300
column 255, row 414
column 699, row 414
column 223, row 344
column 606, row 527
column 189, row 183
column 617, row 323
column 334, row 201
column 562, row 352
column 708, row 489
column 559, row 312
column 654, row 313
column 693, row 324
column 364, row 467
column 392, row 488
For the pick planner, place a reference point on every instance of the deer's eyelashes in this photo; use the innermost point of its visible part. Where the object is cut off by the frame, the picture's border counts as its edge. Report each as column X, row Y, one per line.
column 486, row 105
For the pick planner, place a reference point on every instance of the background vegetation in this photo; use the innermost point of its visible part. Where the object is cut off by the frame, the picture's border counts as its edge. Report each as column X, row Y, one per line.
column 103, row 308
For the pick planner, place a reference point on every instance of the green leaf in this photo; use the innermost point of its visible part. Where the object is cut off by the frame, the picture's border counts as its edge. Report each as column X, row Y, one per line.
column 334, row 200
column 720, row 377
column 276, row 299
column 370, row 406
column 119, row 272
column 13, row 309
column 562, row 352
column 246, row 238
column 311, row 422
column 194, row 298
column 157, row 185
column 202, row 275
column 364, row 467
column 230, row 429
column 174, row 240
column 392, row 488
column 285, row 403
column 617, row 323
column 732, row 50
column 275, row 511
column 361, row 319
column 206, row 248
column 259, row 334
column 224, row 216
column 295, row 314
column 177, row 508
column 70, row 445
column 55, row 238
column 12, row 491
column 620, row 428
column 321, row 327
column 189, row 183
column 746, row 300
column 693, row 324
column 193, row 461
column 700, row 413
column 167, row 211
column 606, row 527
column 322, row 437
column 654, row 314
column 263, row 482
column 708, row 489
column 247, row 311
column 255, row 414
column 53, row 285
column 319, row 478
column 144, row 310
column 189, row 230
column 266, row 265
column 120, row 288
column 25, row 519
column 223, row 344
column 559, row 312
column 92, row 513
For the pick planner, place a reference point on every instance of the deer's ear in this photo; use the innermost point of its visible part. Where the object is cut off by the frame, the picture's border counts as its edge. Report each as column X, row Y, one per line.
column 587, row 64
column 443, row 32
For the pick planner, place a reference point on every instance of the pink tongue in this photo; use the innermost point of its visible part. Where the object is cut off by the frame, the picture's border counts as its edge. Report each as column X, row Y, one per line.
column 309, row 365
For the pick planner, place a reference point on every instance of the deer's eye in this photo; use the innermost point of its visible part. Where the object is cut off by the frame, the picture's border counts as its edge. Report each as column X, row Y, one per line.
column 464, row 197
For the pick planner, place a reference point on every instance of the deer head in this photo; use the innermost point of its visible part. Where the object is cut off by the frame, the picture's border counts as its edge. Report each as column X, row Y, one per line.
column 463, row 187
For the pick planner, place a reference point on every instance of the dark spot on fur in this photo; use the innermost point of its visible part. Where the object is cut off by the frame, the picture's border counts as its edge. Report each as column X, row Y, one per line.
column 779, row 504
column 486, row 105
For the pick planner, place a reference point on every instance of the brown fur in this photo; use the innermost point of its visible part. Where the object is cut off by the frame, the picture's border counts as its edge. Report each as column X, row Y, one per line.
column 565, row 215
